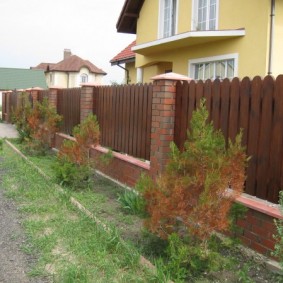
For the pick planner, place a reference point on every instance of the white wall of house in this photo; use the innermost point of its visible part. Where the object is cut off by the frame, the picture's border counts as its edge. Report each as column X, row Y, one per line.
column 72, row 79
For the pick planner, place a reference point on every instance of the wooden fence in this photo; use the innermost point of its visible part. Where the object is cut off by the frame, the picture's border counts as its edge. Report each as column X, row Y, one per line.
column 255, row 106
column 43, row 94
column 68, row 105
column 124, row 116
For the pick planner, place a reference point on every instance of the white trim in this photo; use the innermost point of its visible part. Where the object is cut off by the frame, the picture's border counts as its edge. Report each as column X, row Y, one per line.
column 192, row 34
column 194, row 16
column 234, row 56
column 160, row 29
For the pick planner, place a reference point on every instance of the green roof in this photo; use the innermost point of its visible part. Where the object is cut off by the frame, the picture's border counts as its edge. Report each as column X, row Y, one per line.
column 12, row 78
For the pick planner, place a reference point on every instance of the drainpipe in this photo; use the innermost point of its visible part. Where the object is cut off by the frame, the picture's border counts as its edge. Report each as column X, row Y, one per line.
column 271, row 37
column 127, row 72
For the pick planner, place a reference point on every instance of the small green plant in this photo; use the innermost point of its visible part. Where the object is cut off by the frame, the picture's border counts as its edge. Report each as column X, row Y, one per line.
column 237, row 211
column 132, row 202
column 279, row 236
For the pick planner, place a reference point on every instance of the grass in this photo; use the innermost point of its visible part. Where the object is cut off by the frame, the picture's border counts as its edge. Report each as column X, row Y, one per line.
column 74, row 248
column 70, row 246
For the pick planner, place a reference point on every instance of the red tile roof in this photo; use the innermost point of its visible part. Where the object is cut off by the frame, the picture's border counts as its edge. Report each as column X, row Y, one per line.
column 125, row 54
column 71, row 64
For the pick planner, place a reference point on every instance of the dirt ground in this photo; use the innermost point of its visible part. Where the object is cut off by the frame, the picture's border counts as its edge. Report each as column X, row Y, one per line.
column 14, row 263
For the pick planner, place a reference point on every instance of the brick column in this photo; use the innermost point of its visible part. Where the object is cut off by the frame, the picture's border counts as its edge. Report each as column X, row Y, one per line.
column 34, row 95
column 162, row 126
column 53, row 97
column 86, row 100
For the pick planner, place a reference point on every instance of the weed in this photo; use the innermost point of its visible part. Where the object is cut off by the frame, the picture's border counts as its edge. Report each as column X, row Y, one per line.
column 132, row 202
column 237, row 211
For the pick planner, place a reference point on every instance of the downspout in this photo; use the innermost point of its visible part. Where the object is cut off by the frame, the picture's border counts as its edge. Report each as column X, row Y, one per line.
column 271, row 37
column 127, row 72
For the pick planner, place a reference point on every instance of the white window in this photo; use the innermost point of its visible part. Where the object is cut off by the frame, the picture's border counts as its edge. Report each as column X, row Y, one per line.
column 220, row 67
column 167, row 18
column 84, row 78
column 205, row 14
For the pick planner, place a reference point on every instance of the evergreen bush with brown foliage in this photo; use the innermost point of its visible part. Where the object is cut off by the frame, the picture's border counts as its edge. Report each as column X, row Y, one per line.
column 36, row 125
column 74, row 165
column 194, row 195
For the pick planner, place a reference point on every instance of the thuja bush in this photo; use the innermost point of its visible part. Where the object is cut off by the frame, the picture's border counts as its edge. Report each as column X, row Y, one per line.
column 74, row 165
column 36, row 125
column 44, row 123
column 20, row 117
column 194, row 195
column 279, row 236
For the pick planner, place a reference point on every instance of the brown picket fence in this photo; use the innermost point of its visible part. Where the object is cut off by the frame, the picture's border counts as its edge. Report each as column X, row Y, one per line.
column 68, row 105
column 124, row 116
column 256, row 106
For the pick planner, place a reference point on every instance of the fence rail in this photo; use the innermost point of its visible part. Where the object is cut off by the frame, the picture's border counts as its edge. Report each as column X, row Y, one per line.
column 124, row 116
column 68, row 105
column 255, row 106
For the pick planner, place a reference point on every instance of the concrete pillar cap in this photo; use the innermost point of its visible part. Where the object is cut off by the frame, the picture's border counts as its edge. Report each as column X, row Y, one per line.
column 171, row 76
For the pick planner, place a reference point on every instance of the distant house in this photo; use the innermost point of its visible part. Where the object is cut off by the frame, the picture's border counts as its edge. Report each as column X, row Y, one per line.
column 14, row 78
column 127, row 58
column 205, row 39
column 71, row 72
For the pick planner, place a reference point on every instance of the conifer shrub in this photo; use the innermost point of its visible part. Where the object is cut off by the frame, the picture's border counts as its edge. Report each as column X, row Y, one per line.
column 36, row 125
column 74, row 165
column 194, row 195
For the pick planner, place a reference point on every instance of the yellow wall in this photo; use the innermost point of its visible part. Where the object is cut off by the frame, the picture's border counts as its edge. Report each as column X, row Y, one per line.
column 132, row 72
column 278, row 40
column 253, row 15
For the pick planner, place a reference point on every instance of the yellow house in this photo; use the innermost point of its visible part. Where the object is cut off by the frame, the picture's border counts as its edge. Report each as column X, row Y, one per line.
column 205, row 38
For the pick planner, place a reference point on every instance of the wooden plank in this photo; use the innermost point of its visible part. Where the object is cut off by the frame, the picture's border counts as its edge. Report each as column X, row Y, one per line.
column 234, row 109
column 276, row 153
column 199, row 92
column 127, row 118
column 216, row 103
column 135, row 118
column 178, row 106
column 191, row 106
column 264, row 138
column 131, row 128
column 225, row 107
column 253, row 134
column 144, row 122
column 207, row 94
column 149, row 121
column 184, row 119
column 244, row 107
column 139, row 121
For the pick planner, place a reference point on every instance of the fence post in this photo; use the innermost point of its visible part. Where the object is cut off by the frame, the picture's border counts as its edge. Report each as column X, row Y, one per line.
column 53, row 97
column 86, row 101
column 163, row 120
column 8, row 106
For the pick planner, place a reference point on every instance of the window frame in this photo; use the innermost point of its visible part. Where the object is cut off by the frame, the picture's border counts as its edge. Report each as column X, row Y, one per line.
column 214, row 59
column 195, row 21
column 161, row 19
column 83, row 75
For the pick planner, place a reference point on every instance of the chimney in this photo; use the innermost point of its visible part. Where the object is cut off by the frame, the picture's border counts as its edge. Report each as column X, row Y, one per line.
column 67, row 53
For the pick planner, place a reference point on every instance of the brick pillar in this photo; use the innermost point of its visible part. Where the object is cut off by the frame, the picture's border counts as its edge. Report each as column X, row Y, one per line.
column 53, row 97
column 86, row 101
column 162, row 126
column 34, row 95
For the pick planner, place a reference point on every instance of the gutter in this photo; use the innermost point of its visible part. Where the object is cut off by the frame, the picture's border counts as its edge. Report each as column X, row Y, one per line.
column 271, row 37
column 127, row 72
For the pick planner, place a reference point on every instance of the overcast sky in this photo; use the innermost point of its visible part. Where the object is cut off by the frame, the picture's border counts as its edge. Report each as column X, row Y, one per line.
column 35, row 31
